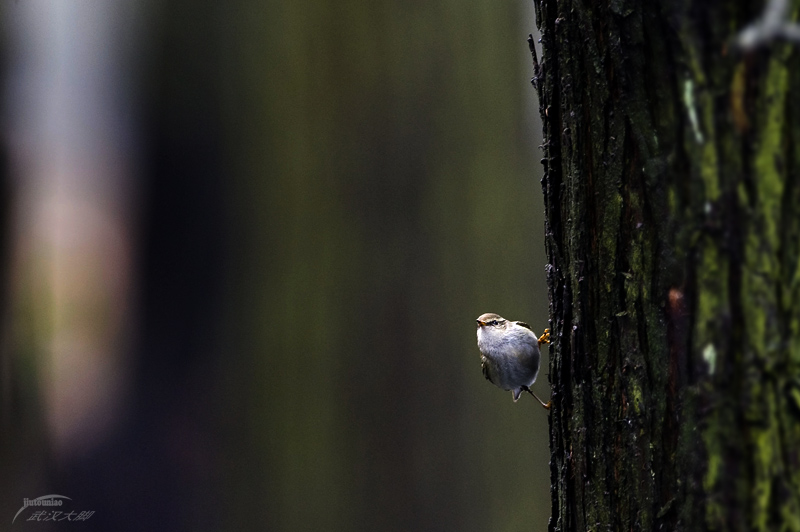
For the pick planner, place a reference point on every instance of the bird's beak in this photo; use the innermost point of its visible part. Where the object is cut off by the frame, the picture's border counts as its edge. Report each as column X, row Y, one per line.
column 480, row 323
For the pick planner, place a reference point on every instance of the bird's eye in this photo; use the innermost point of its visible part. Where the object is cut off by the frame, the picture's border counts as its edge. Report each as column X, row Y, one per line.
column 493, row 322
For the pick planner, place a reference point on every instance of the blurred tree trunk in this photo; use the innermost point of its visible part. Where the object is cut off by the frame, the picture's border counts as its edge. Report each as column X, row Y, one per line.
column 672, row 158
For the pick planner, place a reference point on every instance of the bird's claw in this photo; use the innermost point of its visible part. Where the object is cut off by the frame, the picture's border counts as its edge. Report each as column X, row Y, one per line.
column 545, row 338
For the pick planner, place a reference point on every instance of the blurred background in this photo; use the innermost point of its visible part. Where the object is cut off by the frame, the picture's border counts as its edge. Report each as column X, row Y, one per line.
column 243, row 248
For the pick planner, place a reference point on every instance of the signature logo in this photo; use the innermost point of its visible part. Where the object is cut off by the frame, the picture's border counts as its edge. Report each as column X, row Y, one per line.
column 49, row 514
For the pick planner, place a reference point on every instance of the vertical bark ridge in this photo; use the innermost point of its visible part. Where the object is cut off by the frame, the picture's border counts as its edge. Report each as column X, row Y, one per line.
column 673, row 241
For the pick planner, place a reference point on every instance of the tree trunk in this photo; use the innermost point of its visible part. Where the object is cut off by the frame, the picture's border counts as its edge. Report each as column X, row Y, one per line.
column 672, row 159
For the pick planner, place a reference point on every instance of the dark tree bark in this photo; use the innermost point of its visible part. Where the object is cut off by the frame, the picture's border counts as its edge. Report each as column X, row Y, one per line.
column 672, row 196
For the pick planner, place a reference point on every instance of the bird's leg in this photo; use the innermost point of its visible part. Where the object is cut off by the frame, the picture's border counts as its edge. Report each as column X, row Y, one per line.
column 544, row 338
column 546, row 405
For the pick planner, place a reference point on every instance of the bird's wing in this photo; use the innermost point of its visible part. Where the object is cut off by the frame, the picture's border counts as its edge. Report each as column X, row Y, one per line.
column 523, row 324
column 485, row 369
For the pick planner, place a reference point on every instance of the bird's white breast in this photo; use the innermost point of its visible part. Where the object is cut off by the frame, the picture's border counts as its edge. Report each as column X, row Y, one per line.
column 517, row 341
column 513, row 355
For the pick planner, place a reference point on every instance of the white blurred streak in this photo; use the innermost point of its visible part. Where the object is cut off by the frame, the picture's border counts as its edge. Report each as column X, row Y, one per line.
column 70, row 132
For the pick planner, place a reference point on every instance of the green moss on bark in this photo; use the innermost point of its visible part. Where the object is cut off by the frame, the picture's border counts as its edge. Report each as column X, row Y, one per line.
column 672, row 176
